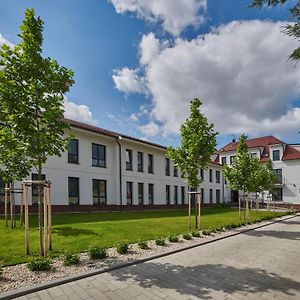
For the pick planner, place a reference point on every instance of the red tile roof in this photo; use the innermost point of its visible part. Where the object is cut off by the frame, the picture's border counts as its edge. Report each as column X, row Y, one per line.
column 264, row 142
column 291, row 153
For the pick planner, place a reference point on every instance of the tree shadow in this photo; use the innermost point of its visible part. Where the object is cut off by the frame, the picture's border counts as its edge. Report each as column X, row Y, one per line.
column 290, row 222
column 70, row 231
column 286, row 235
column 201, row 280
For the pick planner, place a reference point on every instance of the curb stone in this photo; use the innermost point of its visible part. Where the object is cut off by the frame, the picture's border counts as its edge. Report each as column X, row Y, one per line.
column 38, row 287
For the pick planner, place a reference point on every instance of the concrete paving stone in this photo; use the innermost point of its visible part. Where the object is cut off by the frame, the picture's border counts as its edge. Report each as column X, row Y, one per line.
column 96, row 293
column 55, row 291
column 74, row 297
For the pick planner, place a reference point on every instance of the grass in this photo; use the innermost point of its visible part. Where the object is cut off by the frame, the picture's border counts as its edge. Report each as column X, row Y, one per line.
column 76, row 232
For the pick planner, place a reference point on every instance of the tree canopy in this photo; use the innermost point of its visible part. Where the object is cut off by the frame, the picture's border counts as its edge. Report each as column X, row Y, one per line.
column 198, row 144
column 292, row 29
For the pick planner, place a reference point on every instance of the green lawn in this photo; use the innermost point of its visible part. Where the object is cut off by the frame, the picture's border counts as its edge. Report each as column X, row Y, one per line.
column 75, row 232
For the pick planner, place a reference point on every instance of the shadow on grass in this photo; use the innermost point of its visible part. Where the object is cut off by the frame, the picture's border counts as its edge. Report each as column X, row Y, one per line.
column 73, row 218
column 69, row 231
column 201, row 280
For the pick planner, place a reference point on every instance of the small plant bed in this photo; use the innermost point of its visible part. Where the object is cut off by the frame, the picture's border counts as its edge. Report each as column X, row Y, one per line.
column 173, row 239
column 186, row 236
column 18, row 276
column 143, row 245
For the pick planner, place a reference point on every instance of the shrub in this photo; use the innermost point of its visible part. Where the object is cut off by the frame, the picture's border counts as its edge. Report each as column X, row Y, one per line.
column 143, row 245
column 122, row 248
column 196, row 234
column 70, row 259
column 1, row 270
column 187, row 236
column 206, row 232
column 96, row 252
column 40, row 264
column 173, row 238
column 160, row 242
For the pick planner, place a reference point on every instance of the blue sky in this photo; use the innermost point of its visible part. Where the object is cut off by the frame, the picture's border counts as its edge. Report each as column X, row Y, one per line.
column 99, row 39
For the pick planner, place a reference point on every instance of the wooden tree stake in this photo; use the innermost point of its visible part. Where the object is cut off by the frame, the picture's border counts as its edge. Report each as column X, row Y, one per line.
column 5, row 203
column 25, row 191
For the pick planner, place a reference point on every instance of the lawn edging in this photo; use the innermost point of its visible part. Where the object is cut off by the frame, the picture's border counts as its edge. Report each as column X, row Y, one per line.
column 38, row 287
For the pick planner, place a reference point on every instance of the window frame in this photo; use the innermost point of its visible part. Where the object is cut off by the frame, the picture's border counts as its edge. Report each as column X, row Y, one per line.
column 210, row 175
column 175, row 194
column 150, row 164
column 141, row 199
column 273, row 156
column 211, row 199
column 218, row 196
column 99, row 197
column 97, row 158
column 140, row 161
column 151, row 199
column 77, row 179
column 224, row 160
column 182, row 194
column 167, row 166
column 129, row 165
column 168, row 194
column 72, row 155
column 129, row 184
column 218, row 176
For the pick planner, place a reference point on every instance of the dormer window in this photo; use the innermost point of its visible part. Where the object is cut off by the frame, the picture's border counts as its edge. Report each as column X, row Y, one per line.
column 276, row 155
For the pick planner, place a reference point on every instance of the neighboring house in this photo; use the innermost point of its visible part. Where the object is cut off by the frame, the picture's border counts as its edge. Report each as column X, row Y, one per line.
column 286, row 165
column 104, row 170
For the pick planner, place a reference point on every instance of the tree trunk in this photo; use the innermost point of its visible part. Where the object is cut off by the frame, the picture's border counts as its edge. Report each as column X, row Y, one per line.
column 244, row 203
column 257, row 203
column 40, row 204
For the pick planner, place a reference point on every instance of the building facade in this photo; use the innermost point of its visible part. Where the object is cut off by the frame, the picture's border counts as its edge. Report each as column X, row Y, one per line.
column 286, row 166
column 105, row 170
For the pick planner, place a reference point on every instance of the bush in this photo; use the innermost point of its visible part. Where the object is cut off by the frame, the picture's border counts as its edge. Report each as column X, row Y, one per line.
column 96, row 252
column 1, row 270
column 196, row 234
column 122, row 248
column 173, row 238
column 187, row 236
column 143, row 245
column 160, row 242
column 40, row 264
column 70, row 259
column 206, row 232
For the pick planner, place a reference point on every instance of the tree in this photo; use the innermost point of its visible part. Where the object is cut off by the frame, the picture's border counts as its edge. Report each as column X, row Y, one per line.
column 264, row 178
column 292, row 30
column 240, row 173
column 198, row 144
column 32, row 92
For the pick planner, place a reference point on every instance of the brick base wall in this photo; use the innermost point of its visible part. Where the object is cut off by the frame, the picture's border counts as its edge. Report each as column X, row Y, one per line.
column 99, row 208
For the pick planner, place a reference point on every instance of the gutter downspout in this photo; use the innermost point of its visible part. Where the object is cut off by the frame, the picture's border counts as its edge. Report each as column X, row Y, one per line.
column 120, row 168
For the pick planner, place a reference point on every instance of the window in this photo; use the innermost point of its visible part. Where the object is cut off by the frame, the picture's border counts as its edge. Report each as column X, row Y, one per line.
column 218, row 176
column 73, row 186
column 232, row 159
column 202, row 195
column 2, row 191
column 210, row 196
column 129, row 193
column 141, row 193
column 150, row 163
column 210, row 175
column 276, row 155
column 278, row 174
column 182, row 195
column 151, row 193
column 98, row 155
column 99, row 191
column 35, row 190
column 167, row 194
column 224, row 160
column 253, row 155
column 182, row 174
column 278, row 194
column 129, row 159
column 218, row 196
column 73, row 152
column 140, row 158
column 167, row 161
column 175, row 194
column 202, row 174
column 175, row 172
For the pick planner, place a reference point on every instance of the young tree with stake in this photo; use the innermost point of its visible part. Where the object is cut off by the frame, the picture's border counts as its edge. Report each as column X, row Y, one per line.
column 198, row 144
column 32, row 92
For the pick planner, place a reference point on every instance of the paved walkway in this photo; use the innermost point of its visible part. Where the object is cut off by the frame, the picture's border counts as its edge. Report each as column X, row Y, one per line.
column 260, row 264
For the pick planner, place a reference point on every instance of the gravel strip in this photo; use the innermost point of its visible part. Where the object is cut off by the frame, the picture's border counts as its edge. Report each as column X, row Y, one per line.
column 15, row 277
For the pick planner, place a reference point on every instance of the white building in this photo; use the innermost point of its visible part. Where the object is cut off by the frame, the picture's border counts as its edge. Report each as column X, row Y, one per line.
column 105, row 170
column 286, row 165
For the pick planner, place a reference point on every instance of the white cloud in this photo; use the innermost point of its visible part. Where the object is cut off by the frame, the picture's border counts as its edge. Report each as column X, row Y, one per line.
column 81, row 113
column 150, row 129
column 175, row 15
column 128, row 81
column 149, row 48
column 240, row 71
